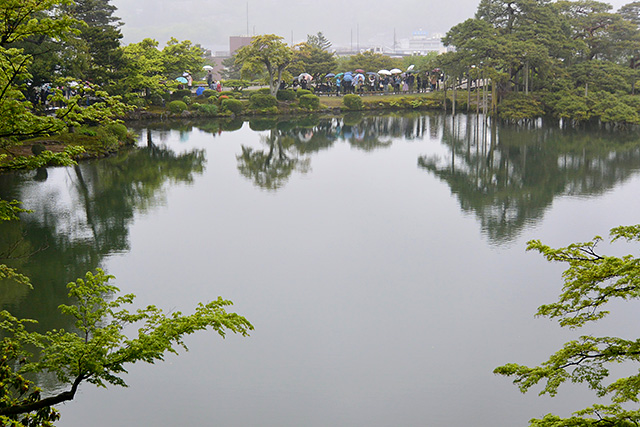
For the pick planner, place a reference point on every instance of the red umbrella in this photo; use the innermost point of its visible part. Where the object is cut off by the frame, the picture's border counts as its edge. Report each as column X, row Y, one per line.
column 359, row 70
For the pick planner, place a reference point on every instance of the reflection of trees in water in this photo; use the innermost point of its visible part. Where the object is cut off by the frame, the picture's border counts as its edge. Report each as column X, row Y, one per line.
column 78, row 227
column 270, row 169
column 290, row 140
column 509, row 175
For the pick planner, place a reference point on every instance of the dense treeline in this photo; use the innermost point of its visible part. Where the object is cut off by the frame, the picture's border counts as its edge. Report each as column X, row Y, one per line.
column 68, row 56
column 574, row 60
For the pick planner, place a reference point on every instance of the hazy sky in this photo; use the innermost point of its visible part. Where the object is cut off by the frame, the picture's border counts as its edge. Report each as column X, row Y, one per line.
column 345, row 23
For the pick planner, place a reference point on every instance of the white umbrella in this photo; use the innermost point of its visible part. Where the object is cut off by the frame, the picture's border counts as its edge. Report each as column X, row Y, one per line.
column 395, row 71
column 306, row 76
column 384, row 72
column 207, row 67
column 185, row 74
column 410, row 67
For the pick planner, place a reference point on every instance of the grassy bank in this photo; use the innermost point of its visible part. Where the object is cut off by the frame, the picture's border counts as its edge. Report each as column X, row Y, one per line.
column 67, row 147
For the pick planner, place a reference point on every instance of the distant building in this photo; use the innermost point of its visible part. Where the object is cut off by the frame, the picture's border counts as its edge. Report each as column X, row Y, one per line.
column 236, row 42
column 421, row 43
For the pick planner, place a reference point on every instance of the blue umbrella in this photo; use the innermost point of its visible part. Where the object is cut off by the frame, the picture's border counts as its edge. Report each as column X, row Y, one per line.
column 181, row 79
column 348, row 78
column 199, row 91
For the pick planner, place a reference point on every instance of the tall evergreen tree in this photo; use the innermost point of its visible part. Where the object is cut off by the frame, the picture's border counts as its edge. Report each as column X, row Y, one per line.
column 99, row 40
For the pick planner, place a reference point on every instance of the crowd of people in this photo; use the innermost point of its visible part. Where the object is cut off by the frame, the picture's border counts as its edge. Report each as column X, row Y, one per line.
column 369, row 83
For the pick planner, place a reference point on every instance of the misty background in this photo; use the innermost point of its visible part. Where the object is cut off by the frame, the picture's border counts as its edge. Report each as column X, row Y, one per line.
column 351, row 23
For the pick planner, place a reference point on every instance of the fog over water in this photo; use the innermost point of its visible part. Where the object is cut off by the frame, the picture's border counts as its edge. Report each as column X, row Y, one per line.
column 354, row 23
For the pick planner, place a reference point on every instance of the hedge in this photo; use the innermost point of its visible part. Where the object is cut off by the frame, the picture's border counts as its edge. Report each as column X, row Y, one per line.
column 311, row 102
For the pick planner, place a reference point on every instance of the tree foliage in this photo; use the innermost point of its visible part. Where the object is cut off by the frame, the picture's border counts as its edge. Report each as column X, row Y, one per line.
column 538, row 45
column 591, row 282
column 371, row 61
column 98, row 350
column 19, row 21
column 23, row 21
column 265, row 52
column 308, row 58
column 318, row 41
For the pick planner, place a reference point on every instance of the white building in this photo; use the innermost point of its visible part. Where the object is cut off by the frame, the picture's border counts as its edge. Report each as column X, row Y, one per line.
column 420, row 43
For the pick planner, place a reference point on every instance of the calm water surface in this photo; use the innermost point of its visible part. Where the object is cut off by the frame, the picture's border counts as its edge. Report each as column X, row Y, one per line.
column 381, row 260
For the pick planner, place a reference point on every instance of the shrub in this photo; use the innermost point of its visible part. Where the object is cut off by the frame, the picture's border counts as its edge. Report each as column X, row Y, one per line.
column 213, row 99
column 520, row 107
column 36, row 149
column 208, row 93
column 177, row 107
column 611, row 109
column 118, row 129
column 156, row 99
column 87, row 131
column 180, row 93
column 207, row 109
column 135, row 100
column 264, row 90
column 233, row 105
column 286, row 95
column 352, row 102
column 186, row 99
column 260, row 100
column 312, row 102
column 301, row 92
column 568, row 105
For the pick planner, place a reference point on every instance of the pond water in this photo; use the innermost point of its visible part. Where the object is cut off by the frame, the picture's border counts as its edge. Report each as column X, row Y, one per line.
column 381, row 260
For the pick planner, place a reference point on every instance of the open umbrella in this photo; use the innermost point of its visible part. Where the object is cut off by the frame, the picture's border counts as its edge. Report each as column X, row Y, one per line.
column 359, row 70
column 348, row 77
column 359, row 77
column 339, row 75
column 411, row 67
column 199, row 91
column 207, row 67
column 395, row 71
column 384, row 72
column 328, row 76
column 305, row 76
column 181, row 79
